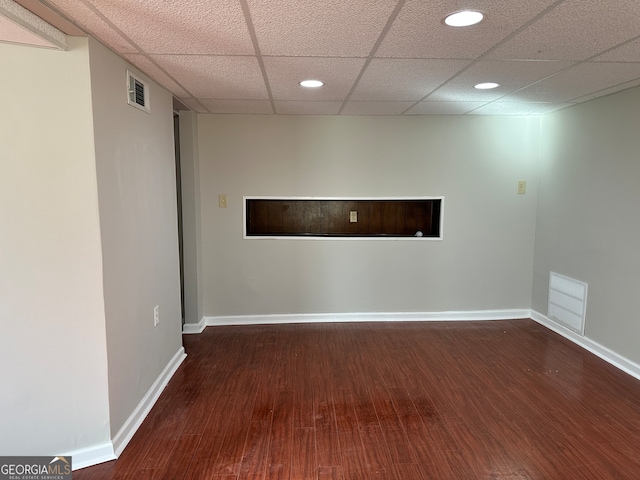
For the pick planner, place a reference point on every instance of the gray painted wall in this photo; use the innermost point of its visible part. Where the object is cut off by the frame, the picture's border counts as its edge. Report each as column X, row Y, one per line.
column 191, row 235
column 486, row 257
column 588, row 220
column 138, row 224
column 53, row 357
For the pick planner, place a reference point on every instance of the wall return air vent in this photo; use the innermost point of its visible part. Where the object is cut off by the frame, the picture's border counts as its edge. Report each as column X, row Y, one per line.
column 137, row 92
column 567, row 302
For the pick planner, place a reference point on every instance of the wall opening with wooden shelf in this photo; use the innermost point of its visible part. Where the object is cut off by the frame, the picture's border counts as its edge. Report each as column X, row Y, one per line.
column 315, row 217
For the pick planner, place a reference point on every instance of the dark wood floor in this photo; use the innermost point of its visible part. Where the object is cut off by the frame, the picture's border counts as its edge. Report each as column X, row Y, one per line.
column 464, row 400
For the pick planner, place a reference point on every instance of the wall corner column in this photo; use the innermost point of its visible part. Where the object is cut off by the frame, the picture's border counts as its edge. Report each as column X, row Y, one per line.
column 190, row 184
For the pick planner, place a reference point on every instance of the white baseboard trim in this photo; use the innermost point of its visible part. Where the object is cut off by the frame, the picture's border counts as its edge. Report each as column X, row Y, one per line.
column 85, row 457
column 124, row 435
column 601, row 351
column 367, row 317
column 191, row 328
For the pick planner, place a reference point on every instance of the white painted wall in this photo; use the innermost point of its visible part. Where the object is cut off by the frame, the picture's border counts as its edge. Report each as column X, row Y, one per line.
column 588, row 220
column 486, row 257
column 53, row 357
column 138, row 221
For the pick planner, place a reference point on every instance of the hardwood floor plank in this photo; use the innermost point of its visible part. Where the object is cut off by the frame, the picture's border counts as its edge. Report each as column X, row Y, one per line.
column 344, row 406
column 408, row 471
column 392, row 429
column 102, row 471
column 501, row 400
column 254, row 459
column 450, row 465
column 230, row 456
column 363, row 406
column 303, row 460
column 203, row 467
column 281, row 447
column 323, row 412
column 181, row 458
column 351, row 442
column 398, row 444
column 156, row 457
column 142, row 474
column 375, row 448
column 263, row 404
column 199, row 413
column 215, row 427
column 354, row 466
column 303, row 388
column 330, row 473
column 328, row 453
column 427, row 438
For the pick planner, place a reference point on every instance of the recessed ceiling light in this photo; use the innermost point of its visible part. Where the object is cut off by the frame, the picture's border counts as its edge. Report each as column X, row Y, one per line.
column 487, row 85
column 464, row 18
column 311, row 83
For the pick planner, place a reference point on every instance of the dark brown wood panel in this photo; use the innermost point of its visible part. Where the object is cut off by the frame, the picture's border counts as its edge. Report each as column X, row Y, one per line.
column 396, row 218
column 393, row 401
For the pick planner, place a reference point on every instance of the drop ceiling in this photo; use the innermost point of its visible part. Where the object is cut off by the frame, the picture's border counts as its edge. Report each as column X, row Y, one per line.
column 376, row 57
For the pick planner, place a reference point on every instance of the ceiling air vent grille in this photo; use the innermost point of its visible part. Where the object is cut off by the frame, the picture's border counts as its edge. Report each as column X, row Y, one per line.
column 137, row 92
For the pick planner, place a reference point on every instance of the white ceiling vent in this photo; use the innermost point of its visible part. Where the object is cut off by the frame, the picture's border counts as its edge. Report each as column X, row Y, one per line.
column 138, row 92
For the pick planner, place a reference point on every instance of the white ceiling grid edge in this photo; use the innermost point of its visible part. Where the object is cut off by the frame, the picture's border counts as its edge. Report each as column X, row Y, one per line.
column 384, row 84
column 29, row 28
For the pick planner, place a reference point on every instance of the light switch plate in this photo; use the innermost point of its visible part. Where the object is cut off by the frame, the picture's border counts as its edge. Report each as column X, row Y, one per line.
column 222, row 200
column 522, row 187
column 353, row 216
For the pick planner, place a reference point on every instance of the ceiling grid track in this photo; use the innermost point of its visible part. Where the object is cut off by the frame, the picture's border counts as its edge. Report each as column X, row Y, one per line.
column 256, row 47
column 376, row 46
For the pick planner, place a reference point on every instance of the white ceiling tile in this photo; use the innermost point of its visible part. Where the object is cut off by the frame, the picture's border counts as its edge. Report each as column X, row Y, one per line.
column 404, row 79
column 90, row 21
column 285, row 74
column 11, row 32
column 182, row 26
column 518, row 108
column 608, row 91
column 443, row 108
column 19, row 25
column 194, row 105
column 575, row 30
column 375, row 108
column 206, row 76
column 419, row 30
column 510, row 74
column 578, row 81
column 329, row 28
column 205, row 50
column 454, row 93
column 258, row 107
column 151, row 70
column 628, row 52
column 307, row 108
